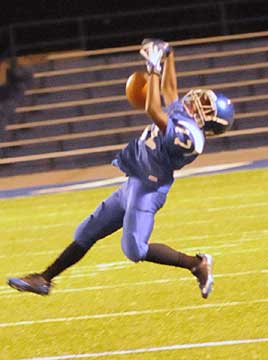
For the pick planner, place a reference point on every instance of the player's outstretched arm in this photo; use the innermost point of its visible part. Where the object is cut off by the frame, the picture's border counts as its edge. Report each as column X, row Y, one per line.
column 169, row 87
column 153, row 102
column 153, row 54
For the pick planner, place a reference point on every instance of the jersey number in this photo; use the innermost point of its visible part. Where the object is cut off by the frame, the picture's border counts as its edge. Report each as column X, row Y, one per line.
column 148, row 136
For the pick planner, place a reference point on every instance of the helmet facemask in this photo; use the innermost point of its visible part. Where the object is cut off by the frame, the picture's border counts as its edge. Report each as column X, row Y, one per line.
column 200, row 105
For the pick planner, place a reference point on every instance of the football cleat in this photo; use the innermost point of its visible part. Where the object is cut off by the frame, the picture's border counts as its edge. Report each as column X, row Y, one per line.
column 203, row 273
column 34, row 283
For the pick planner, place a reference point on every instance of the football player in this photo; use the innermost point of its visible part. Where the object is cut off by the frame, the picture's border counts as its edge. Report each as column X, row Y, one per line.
column 174, row 139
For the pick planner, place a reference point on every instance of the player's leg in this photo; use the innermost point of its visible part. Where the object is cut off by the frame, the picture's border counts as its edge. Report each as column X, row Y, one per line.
column 200, row 265
column 137, row 228
column 106, row 219
column 140, row 205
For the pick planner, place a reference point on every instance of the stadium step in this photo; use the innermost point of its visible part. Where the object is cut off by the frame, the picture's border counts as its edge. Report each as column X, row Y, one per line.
column 77, row 99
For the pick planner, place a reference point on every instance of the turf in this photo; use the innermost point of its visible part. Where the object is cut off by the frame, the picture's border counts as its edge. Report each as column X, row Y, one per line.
column 106, row 304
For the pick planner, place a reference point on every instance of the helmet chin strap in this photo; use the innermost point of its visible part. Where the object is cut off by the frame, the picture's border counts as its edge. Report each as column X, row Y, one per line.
column 218, row 120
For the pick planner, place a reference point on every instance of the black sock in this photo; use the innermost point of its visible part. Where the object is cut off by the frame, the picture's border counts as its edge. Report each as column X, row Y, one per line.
column 72, row 254
column 163, row 254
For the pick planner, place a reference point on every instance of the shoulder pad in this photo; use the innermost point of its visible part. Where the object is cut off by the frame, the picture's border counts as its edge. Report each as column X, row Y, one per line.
column 197, row 134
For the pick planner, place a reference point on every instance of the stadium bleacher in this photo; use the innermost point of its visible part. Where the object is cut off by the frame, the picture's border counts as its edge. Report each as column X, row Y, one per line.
column 75, row 113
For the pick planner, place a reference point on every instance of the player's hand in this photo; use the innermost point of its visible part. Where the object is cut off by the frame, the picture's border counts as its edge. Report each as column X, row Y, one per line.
column 153, row 55
column 163, row 45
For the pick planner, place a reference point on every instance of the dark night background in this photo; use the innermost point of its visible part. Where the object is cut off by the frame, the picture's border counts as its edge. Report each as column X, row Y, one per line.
column 23, row 11
column 119, row 23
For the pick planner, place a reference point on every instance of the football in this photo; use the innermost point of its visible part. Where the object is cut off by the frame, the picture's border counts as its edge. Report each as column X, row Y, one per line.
column 136, row 89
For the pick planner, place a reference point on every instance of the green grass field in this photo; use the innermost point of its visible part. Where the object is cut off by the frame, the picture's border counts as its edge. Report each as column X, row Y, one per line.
column 106, row 307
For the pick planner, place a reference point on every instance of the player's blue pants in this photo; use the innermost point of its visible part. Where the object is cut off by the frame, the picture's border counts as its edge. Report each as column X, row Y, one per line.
column 132, row 207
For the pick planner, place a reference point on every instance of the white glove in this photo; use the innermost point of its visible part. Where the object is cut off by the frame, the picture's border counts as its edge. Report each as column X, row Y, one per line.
column 153, row 55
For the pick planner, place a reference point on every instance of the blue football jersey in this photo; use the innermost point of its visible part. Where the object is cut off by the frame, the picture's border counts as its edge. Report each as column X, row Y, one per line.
column 154, row 156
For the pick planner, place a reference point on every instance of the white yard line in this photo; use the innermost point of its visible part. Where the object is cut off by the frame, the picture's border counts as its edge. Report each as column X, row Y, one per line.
column 235, row 207
column 132, row 313
column 153, row 349
column 57, row 251
column 11, row 293
column 245, row 251
column 232, row 196
column 188, row 238
column 121, row 179
column 11, row 219
column 28, row 226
